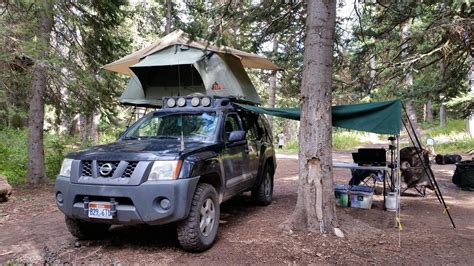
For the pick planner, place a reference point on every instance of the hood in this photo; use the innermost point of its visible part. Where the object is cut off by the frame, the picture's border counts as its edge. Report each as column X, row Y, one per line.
column 138, row 150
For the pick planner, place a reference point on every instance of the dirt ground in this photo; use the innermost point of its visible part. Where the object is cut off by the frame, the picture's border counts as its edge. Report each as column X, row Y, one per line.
column 32, row 230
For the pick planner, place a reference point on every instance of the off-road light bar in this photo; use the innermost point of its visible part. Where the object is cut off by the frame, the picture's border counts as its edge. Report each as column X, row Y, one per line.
column 171, row 102
column 195, row 101
column 206, row 101
column 181, row 102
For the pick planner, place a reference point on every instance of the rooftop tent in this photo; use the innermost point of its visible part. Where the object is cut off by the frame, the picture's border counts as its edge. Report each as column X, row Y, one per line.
column 181, row 70
column 176, row 65
column 376, row 117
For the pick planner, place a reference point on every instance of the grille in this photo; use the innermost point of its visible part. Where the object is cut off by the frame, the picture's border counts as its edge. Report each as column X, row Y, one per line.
column 87, row 168
column 111, row 173
column 130, row 168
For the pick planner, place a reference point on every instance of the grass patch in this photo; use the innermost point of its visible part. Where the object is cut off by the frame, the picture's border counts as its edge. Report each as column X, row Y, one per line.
column 450, row 139
column 452, row 126
column 453, row 143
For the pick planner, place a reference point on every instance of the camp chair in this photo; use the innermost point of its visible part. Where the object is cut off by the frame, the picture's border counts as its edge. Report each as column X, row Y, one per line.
column 366, row 177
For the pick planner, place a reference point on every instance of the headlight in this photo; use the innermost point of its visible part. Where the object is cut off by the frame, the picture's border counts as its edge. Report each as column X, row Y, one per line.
column 165, row 170
column 66, row 168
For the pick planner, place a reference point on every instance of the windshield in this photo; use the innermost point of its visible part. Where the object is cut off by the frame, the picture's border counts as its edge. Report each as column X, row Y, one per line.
column 193, row 126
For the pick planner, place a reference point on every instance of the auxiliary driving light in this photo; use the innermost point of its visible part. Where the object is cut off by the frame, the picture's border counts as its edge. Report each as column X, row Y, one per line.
column 171, row 102
column 165, row 204
column 195, row 101
column 60, row 197
column 206, row 101
column 181, row 102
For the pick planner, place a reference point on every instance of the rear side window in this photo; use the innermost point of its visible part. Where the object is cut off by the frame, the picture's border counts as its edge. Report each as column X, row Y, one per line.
column 251, row 125
column 264, row 127
column 232, row 123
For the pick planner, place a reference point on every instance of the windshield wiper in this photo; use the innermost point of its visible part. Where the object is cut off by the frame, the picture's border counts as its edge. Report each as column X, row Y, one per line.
column 163, row 137
column 129, row 138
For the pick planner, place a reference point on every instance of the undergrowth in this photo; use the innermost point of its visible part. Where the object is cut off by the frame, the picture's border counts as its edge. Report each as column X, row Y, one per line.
column 452, row 138
column 14, row 154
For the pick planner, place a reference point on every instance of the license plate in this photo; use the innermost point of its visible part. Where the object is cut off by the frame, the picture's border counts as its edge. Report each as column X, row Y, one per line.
column 101, row 210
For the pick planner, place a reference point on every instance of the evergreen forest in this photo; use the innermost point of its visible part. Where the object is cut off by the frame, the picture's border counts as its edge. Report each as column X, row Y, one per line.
column 55, row 98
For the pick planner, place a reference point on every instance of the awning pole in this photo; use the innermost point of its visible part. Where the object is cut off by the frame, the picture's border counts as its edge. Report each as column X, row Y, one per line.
column 398, row 184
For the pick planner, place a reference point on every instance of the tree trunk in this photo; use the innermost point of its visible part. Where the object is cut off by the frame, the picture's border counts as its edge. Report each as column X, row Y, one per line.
column 442, row 106
column 410, row 106
column 315, row 207
column 94, row 133
column 428, row 117
column 470, row 119
column 84, row 128
column 272, row 84
column 36, row 169
column 169, row 7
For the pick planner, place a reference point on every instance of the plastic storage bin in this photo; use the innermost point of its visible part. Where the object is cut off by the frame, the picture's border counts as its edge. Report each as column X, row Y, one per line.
column 361, row 197
column 342, row 194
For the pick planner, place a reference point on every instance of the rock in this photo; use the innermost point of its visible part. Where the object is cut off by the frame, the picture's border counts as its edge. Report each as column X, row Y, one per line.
column 5, row 189
column 338, row 232
column 77, row 244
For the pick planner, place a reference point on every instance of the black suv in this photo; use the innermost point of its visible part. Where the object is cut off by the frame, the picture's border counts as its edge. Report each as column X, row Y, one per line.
column 176, row 164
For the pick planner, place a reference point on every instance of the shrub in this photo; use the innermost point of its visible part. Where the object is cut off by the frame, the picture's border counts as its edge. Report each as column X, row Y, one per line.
column 14, row 154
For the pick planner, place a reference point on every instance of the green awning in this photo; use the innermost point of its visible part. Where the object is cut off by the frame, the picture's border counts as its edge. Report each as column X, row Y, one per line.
column 376, row 117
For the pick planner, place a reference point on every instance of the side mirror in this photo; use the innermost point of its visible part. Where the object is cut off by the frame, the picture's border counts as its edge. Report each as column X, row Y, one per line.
column 237, row 135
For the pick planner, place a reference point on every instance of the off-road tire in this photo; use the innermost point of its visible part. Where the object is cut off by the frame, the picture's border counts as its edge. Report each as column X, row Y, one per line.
column 85, row 230
column 190, row 236
column 262, row 195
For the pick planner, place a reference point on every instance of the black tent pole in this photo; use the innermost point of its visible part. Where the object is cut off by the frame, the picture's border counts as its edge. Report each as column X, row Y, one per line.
column 429, row 168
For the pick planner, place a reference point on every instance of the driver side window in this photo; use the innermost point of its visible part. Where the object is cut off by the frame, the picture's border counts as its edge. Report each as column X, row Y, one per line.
column 149, row 129
column 232, row 123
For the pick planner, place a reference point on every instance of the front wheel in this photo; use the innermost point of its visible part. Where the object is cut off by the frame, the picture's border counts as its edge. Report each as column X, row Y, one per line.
column 199, row 230
column 262, row 195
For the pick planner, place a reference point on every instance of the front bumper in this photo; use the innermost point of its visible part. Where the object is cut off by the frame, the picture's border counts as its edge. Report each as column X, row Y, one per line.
column 135, row 204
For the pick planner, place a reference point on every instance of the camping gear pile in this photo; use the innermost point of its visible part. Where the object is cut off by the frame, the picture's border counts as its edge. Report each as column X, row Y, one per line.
column 448, row 158
column 464, row 175
column 353, row 196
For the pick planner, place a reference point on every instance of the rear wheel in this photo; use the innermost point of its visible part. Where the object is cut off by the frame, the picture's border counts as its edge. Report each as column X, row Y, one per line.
column 199, row 230
column 262, row 195
column 85, row 230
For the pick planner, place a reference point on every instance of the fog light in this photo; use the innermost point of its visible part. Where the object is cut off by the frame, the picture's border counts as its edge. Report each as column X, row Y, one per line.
column 165, row 204
column 59, row 197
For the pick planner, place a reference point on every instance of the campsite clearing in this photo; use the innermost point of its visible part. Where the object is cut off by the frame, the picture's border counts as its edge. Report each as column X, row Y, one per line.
column 32, row 229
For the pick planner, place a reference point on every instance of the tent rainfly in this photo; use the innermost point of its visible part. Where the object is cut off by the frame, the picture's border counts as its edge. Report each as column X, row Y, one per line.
column 175, row 66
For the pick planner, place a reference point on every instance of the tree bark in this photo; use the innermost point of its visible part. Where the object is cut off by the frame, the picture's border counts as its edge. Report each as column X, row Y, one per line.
column 94, row 133
column 315, row 207
column 36, row 169
column 442, row 106
column 169, row 7
column 470, row 119
column 429, row 111
column 410, row 106
column 272, row 84
column 84, row 128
